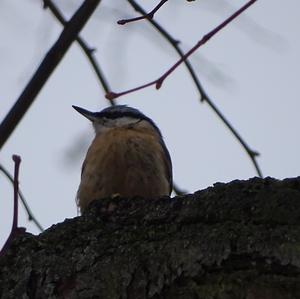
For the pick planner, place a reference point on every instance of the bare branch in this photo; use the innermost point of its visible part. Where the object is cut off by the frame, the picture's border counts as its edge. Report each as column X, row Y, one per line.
column 51, row 60
column 89, row 51
column 158, row 82
column 149, row 15
column 203, row 95
column 31, row 217
column 15, row 229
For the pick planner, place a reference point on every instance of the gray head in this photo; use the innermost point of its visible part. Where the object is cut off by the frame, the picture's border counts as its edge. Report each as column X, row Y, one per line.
column 116, row 116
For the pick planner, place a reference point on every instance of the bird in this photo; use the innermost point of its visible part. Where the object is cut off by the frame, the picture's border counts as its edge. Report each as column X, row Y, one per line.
column 127, row 157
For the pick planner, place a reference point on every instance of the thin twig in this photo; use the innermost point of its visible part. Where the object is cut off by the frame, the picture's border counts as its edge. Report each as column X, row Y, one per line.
column 49, row 63
column 31, row 217
column 149, row 15
column 15, row 230
column 203, row 95
column 158, row 82
column 89, row 51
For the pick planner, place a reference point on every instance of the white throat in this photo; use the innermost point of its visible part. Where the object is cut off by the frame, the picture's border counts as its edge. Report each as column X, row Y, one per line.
column 107, row 124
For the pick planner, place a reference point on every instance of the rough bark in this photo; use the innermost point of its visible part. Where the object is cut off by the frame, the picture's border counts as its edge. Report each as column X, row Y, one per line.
column 236, row 240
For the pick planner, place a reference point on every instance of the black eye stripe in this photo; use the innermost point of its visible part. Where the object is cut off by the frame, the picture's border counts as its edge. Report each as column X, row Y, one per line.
column 120, row 111
column 116, row 114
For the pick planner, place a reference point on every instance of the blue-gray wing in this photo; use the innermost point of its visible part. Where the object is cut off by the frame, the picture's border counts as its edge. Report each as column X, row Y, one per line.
column 168, row 165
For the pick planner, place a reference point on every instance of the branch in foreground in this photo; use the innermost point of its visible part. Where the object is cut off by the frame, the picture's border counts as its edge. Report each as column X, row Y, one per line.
column 149, row 15
column 31, row 217
column 89, row 51
column 204, row 96
column 51, row 60
column 235, row 240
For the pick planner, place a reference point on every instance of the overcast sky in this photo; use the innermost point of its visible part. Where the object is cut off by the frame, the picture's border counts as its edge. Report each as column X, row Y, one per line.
column 250, row 70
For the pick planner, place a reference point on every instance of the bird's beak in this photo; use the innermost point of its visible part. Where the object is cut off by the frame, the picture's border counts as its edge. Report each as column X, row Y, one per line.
column 88, row 114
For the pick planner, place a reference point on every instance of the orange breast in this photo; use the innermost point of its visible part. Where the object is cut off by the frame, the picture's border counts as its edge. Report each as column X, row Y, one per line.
column 124, row 161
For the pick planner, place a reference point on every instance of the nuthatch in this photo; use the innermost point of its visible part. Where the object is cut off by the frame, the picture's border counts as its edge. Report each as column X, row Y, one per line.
column 127, row 157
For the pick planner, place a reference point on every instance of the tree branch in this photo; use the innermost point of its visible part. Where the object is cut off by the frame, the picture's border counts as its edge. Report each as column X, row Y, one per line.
column 203, row 95
column 234, row 240
column 149, row 15
column 51, row 60
column 31, row 217
column 158, row 82
column 89, row 51
column 15, row 230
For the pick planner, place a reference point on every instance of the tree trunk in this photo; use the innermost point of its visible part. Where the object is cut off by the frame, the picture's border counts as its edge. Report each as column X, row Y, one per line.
column 236, row 240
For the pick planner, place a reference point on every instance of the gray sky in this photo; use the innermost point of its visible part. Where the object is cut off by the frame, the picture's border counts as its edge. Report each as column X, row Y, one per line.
column 250, row 70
